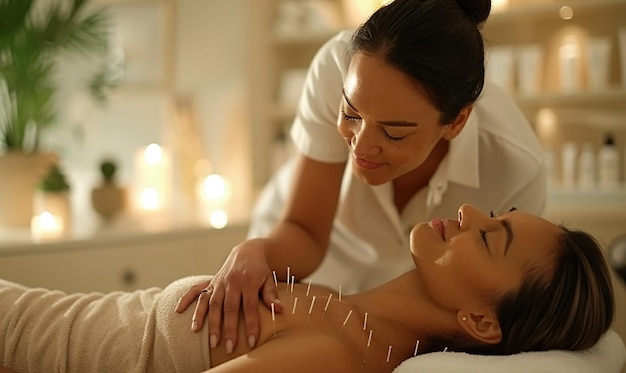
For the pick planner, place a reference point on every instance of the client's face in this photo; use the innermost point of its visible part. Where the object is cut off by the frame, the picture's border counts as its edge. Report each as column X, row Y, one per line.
column 479, row 254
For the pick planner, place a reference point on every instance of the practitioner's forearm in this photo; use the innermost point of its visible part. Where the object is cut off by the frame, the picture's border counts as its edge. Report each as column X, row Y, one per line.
column 292, row 246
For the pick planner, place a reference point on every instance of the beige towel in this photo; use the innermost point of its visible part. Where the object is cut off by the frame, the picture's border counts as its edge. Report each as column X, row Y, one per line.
column 50, row 331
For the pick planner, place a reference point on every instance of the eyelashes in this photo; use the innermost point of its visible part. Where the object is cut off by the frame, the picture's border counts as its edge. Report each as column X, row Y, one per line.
column 347, row 117
column 356, row 119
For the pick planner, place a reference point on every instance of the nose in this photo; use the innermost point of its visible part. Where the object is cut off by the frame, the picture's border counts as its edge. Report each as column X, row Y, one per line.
column 360, row 137
column 363, row 142
column 468, row 214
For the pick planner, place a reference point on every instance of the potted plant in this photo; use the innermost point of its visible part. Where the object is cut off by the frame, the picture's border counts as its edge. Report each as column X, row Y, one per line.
column 52, row 195
column 108, row 198
column 33, row 37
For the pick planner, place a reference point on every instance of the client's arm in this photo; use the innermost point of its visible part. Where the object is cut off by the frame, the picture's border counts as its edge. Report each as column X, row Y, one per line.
column 296, row 352
column 5, row 370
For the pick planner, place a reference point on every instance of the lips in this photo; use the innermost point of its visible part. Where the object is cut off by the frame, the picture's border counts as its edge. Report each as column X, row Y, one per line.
column 365, row 164
column 439, row 227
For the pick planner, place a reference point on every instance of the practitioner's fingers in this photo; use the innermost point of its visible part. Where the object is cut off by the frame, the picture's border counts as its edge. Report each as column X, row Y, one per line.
column 190, row 296
column 269, row 292
column 202, row 307
column 251, row 317
column 232, row 302
column 215, row 315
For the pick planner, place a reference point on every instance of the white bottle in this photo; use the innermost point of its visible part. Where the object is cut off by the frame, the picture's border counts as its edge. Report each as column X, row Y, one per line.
column 569, row 154
column 551, row 170
column 587, row 167
column 569, row 65
column 608, row 164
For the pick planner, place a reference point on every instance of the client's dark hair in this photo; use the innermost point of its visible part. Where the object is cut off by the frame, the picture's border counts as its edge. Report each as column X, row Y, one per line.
column 569, row 311
column 568, row 307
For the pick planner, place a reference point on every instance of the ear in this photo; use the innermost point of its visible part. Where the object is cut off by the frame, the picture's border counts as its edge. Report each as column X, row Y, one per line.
column 453, row 129
column 481, row 325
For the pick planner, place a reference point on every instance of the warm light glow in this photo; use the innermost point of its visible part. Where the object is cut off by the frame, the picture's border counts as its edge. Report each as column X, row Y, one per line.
column 358, row 11
column 152, row 178
column 566, row 12
column 47, row 221
column 47, row 226
column 546, row 123
column 214, row 187
column 153, row 154
column 150, row 199
column 218, row 219
column 499, row 5
column 202, row 167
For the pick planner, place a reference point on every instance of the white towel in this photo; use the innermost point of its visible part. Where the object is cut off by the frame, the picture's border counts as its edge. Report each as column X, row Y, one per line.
column 607, row 356
column 50, row 331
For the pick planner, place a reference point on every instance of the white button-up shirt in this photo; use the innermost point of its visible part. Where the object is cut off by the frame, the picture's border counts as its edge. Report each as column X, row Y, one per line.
column 495, row 163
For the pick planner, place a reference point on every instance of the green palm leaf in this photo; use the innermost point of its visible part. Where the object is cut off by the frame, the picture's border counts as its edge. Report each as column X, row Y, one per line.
column 28, row 47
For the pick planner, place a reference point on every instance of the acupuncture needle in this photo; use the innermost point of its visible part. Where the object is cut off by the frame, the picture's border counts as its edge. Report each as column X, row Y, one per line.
column 326, row 306
column 310, row 309
column 369, row 340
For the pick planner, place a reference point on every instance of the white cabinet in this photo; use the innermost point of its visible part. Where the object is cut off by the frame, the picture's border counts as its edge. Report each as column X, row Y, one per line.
column 127, row 263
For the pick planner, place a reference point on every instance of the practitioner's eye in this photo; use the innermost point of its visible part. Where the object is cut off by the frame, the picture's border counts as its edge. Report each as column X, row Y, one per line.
column 348, row 117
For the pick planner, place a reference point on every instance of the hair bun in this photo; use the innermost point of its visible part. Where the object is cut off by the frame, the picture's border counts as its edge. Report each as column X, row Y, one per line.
column 476, row 10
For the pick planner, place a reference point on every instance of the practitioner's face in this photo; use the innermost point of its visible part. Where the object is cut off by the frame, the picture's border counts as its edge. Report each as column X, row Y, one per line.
column 387, row 121
column 479, row 254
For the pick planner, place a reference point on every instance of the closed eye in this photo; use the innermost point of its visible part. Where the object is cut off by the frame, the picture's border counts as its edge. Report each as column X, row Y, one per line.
column 392, row 138
column 348, row 117
column 483, row 237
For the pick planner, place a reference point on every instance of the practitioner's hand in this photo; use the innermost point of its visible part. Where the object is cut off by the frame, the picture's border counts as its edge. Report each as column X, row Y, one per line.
column 196, row 292
column 244, row 275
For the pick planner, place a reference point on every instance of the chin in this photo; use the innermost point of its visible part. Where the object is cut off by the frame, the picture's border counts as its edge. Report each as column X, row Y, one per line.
column 421, row 238
column 373, row 178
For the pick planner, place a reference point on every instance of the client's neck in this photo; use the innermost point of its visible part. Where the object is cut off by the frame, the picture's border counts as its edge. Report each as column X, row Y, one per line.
column 400, row 312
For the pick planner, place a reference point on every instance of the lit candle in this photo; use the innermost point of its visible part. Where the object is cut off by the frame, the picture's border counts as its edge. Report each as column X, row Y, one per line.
column 153, row 173
column 46, row 226
column 213, row 194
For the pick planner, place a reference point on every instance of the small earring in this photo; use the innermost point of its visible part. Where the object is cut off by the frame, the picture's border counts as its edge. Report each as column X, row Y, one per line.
column 464, row 318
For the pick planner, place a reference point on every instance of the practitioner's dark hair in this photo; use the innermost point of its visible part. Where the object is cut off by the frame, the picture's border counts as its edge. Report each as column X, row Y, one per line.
column 438, row 43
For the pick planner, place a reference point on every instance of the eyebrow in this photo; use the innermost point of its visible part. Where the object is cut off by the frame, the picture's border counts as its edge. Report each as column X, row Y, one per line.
column 391, row 123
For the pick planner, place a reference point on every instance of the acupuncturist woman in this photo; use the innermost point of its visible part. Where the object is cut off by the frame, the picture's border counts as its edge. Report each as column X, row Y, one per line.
column 395, row 125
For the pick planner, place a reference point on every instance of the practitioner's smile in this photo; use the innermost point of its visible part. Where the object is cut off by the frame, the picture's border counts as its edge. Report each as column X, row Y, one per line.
column 388, row 121
column 365, row 164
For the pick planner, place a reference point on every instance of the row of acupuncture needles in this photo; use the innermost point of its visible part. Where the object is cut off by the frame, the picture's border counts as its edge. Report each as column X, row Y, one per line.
column 290, row 283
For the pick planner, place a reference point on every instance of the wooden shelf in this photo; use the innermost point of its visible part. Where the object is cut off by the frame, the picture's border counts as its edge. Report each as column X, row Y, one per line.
column 583, row 99
column 305, row 39
column 522, row 11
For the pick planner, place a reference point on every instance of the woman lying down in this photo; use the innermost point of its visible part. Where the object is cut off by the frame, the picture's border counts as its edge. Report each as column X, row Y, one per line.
column 483, row 284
